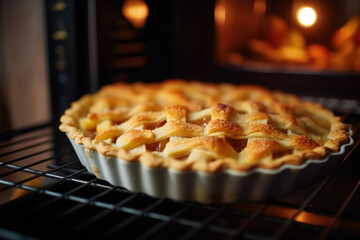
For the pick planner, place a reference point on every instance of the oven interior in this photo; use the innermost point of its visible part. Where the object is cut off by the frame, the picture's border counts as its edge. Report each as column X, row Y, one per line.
column 46, row 193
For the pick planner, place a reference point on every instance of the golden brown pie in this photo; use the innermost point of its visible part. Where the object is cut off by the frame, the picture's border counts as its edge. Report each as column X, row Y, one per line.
column 200, row 126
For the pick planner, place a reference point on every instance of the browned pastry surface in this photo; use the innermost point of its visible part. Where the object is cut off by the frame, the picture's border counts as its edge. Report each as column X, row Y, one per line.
column 207, row 127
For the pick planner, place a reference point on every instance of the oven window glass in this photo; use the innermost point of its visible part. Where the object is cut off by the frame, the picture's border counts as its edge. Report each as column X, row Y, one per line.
column 283, row 35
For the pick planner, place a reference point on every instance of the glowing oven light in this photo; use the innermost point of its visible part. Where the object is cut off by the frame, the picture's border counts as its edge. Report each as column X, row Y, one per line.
column 136, row 11
column 306, row 16
column 220, row 13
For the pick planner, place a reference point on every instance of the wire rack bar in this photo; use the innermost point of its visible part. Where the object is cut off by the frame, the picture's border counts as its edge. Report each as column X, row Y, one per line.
column 48, row 222
column 24, row 140
column 328, row 228
column 37, row 174
column 6, row 136
column 277, row 234
column 48, row 174
column 23, row 168
column 94, row 218
column 331, row 225
column 163, row 224
column 25, row 157
column 130, row 220
column 238, row 231
column 25, row 148
column 14, row 235
column 203, row 224
column 110, row 208
column 43, row 190
column 35, row 189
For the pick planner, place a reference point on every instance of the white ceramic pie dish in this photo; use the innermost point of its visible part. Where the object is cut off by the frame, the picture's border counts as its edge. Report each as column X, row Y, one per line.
column 226, row 186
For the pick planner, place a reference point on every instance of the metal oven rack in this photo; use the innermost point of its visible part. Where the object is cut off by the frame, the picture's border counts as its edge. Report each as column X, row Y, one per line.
column 45, row 193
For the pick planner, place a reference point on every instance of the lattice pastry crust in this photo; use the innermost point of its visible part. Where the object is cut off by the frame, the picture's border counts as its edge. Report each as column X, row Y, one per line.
column 199, row 126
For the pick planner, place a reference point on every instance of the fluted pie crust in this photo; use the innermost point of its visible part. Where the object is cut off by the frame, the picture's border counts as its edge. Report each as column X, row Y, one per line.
column 201, row 126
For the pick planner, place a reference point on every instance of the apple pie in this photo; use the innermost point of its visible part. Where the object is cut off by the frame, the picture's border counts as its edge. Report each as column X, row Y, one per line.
column 204, row 142
column 203, row 127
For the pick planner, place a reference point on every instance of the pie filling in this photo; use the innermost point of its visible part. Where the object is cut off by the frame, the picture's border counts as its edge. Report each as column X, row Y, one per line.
column 197, row 122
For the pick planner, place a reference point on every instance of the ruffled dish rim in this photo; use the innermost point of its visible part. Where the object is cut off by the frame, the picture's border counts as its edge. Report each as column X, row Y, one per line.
column 225, row 186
